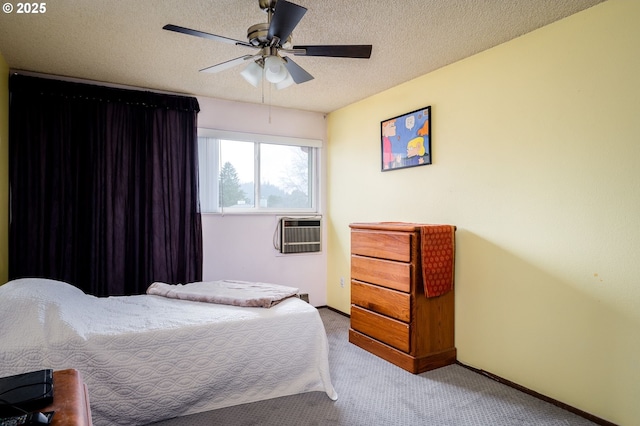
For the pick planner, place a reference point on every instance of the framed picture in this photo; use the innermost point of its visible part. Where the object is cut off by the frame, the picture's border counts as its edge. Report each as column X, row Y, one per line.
column 406, row 140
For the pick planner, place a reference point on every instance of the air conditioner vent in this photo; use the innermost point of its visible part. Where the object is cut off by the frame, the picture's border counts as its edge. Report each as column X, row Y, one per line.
column 300, row 235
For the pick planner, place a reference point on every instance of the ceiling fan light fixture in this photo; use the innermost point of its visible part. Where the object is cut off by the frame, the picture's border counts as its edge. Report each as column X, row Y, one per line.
column 275, row 70
column 252, row 73
column 288, row 81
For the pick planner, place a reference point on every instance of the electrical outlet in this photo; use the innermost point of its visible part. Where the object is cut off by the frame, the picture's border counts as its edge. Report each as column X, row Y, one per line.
column 342, row 282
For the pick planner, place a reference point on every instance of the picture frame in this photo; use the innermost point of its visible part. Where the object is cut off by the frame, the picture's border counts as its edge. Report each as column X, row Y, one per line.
column 406, row 140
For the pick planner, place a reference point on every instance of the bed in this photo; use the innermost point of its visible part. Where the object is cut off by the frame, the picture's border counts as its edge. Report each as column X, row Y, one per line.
column 147, row 357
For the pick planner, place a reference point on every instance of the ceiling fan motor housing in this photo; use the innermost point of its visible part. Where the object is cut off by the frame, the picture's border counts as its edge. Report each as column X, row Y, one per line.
column 257, row 34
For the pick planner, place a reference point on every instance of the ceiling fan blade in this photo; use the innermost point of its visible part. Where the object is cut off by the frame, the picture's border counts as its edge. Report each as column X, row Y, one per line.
column 228, row 64
column 337, row 51
column 298, row 74
column 188, row 31
column 285, row 18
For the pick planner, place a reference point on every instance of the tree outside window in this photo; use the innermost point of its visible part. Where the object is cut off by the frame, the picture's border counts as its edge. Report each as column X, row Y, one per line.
column 231, row 194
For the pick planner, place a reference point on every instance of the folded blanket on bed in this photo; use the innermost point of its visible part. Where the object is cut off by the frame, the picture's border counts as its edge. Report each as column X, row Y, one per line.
column 226, row 292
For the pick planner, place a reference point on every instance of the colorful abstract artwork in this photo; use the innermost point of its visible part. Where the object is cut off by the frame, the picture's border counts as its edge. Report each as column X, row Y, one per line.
column 406, row 140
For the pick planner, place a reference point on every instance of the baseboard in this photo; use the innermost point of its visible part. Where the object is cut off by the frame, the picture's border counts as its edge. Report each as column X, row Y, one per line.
column 337, row 311
column 537, row 395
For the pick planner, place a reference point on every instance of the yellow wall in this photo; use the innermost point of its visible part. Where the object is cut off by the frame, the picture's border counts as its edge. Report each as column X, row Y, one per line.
column 536, row 150
column 4, row 170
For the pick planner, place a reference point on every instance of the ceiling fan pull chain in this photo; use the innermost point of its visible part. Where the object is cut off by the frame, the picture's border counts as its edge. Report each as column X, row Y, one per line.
column 265, row 82
column 262, row 84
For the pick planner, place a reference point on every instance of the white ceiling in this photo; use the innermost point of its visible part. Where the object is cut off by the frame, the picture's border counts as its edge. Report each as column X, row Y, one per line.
column 122, row 42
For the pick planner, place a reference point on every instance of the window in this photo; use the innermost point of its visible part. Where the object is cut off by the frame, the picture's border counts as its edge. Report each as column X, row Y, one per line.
column 242, row 172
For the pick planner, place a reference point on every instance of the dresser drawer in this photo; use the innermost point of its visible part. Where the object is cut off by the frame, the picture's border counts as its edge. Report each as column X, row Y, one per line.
column 384, row 245
column 382, row 300
column 392, row 332
column 396, row 275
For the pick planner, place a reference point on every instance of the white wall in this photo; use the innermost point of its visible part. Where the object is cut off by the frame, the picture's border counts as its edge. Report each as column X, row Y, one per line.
column 240, row 246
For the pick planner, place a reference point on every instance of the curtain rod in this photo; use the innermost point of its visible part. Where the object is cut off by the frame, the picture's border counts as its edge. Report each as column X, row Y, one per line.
column 94, row 82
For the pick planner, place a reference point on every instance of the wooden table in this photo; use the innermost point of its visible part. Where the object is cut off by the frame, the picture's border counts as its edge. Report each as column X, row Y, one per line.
column 70, row 400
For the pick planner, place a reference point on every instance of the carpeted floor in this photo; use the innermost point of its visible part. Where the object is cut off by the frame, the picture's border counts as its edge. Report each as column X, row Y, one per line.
column 373, row 392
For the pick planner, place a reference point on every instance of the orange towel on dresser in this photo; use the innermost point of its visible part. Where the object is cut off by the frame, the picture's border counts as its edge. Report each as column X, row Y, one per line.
column 438, row 258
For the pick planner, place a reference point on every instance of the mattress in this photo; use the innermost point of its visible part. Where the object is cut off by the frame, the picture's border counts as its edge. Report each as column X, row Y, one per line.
column 150, row 357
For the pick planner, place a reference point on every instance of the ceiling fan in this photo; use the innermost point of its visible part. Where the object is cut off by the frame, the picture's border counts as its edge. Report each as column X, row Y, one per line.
column 272, row 40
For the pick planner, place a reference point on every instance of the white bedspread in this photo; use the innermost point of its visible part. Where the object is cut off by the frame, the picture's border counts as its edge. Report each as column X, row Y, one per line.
column 146, row 358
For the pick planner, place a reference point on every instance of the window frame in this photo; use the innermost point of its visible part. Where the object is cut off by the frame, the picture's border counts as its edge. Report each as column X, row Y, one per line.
column 213, row 157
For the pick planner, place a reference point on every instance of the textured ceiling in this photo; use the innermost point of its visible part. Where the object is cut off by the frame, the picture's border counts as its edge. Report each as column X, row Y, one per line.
column 122, row 42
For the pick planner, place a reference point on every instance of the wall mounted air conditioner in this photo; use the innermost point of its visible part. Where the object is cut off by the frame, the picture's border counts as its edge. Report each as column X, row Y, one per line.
column 299, row 235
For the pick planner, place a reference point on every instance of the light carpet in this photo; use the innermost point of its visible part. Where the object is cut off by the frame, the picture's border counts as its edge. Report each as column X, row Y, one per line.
column 373, row 392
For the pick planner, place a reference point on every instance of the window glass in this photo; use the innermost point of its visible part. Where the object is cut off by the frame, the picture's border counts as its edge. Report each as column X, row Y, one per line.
column 284, row 176
column 237, row 174
column 256, row 173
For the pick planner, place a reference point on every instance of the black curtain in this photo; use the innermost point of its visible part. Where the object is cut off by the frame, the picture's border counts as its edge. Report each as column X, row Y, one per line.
column 103, row 185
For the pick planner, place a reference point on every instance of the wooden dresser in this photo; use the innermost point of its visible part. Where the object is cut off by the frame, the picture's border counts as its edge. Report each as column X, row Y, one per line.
column 390, row 315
